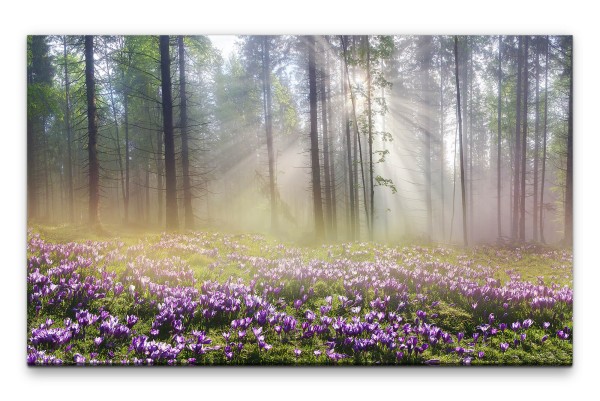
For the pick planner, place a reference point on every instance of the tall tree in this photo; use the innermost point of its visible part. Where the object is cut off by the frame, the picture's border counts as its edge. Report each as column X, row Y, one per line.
column 425, row 64
column 167, row 110
column 267, row 105
column 524, row 140
column 345, row 90
column 70, row 195
column 499, row 142
column 543, row 178
column 460, row 140
column 370, row 220
column 517, row 145
column 569, row 178
column 536, row 139
column 314, row 140
column 442, row 159
column 92, row 117
column 324, row 127
column 185, row 158
column 113, row 107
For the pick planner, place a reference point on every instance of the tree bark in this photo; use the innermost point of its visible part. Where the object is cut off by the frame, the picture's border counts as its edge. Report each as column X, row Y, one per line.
column 569, row 181
column 171, row 214
column 331, row 136
column 460, row 136
column 517, row 147
column 93, row 165
column 344, row 84
column 70, row 195
column 442, row 206
column 524, row 140
column 499, row 143
column 185, row 158
column 314, row 141
column 543, row 179
column 371, row 220
column 426, row 123
column 537, row 141
column 324, row 128
column 113, row 107
column 267, row 96
column 127, row 151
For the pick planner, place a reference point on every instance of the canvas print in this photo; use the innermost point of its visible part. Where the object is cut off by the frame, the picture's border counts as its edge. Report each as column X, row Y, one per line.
column 299, row 200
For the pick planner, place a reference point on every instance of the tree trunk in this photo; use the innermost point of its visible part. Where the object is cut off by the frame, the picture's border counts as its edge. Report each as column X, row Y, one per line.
column 344, row 84
column 31, row 150
column 569, row 181
column 324, row 128
column 113, row 107
column 460, row 139
column 517, row 147
column 267, row 96
column 499, row 144
column 524, row 140
column 314, row 141
column 127, row 174
column 544, row 145
column 158, row 156
column 185, row 158
column 93, row 166
column 371, row 220
column 537, row 141
column 442, row 206
column 426, row 123
column 331, row 141
column 70, row 196
column 469, row 104
column 147, row 211
column 172, row 222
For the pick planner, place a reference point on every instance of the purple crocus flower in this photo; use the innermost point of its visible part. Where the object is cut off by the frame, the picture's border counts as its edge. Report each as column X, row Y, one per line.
column 527, row 323
column 131, row 320
column 480, row 354
column 257, row 331
column 544, row 338
column 79, row 359
column 546, row 325
column 317, row 353
column 228, row 353
column 502, row 326
column 118, row 289
column 504, row 346
column 297, row 352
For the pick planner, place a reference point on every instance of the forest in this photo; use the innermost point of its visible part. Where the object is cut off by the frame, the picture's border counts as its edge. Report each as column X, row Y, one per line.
column 305, row 199
column 332, row 138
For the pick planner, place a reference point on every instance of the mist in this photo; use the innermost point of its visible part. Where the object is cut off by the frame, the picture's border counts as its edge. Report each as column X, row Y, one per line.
column 373, row 118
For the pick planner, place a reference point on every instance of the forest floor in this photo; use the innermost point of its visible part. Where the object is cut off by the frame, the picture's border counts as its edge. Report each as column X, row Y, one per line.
column 213, row 298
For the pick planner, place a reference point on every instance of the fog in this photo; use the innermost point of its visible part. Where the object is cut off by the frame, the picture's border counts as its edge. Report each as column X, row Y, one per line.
column 393, row 97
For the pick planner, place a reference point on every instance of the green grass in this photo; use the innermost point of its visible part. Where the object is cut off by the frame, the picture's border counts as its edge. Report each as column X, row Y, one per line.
column 553, row 265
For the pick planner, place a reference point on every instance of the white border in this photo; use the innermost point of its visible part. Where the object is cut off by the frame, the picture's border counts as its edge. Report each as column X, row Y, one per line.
column 305, row 16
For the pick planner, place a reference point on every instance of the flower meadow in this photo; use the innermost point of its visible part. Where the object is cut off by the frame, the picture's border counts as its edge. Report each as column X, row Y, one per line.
column 210, row 298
